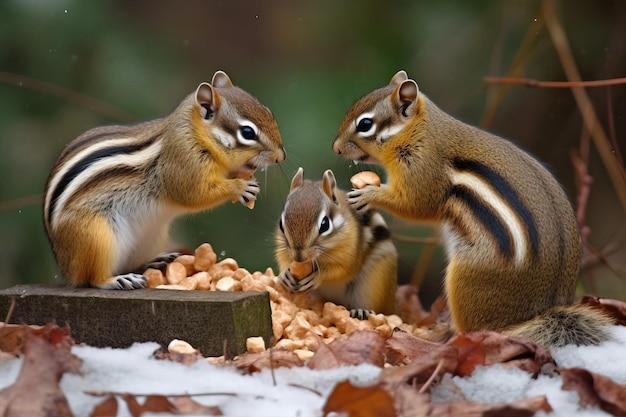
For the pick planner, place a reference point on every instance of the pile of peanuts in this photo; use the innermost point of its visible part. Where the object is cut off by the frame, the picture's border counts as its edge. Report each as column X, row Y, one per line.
column 300, row 322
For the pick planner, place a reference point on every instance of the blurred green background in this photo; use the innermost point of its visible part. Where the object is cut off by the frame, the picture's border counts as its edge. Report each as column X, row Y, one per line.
column 69, row 65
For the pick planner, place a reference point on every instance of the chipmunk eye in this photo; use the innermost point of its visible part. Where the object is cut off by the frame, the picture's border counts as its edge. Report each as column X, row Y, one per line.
column 325, row 226
column 364, row 125
column 247, row 133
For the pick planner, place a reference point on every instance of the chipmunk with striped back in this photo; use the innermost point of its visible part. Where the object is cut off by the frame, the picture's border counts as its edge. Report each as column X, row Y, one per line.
column 511, row 237
column 353, row 260
column 114, row 190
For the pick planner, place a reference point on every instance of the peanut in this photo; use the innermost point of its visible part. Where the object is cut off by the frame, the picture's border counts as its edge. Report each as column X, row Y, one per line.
column 155, row 277
column 180, row 346
column 255, row 344
column 187, row 261
column 203, row 280
column 175, row 273
column 365, row 178
column 300, row 270
column 205, row 257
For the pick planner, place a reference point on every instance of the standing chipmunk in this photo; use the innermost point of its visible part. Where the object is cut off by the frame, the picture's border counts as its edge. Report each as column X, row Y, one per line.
column 352, row 259
column 510, row 233
column 114, row 190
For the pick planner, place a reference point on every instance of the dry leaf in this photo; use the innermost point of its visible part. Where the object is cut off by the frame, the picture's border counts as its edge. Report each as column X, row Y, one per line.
column 106, row 408
column 488, row 348
column 186, row 405
column 13, row 336
column 614, row 308
column 359, row 347
column 441, row 359
column 254, row 362
column 408, row 304
column 595, row 390
column 401, row 348
column 522, row 408
column 370, row 401
column 439, row 313
column 36, row 391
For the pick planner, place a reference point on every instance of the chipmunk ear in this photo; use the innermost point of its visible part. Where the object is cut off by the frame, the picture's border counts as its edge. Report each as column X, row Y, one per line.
column 406, row 97
column 398, row 77
column 221, row 80
column 208, row 99
column 329, row 184
column 297, row 179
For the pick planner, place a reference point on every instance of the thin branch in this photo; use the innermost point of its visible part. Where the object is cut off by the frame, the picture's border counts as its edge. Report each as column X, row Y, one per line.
column 413, row 239
column 10, row 312
column 20, row 202
column 199, row 394
column 521, row 58
column 611, row 122
column 528, row 82
column 432, row 377
column 614, row 168
column 97, row 106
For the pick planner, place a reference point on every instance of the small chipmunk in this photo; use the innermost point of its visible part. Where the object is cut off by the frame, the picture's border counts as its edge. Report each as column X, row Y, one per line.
column 353, row 260
column 510, row 233
column 114, row 190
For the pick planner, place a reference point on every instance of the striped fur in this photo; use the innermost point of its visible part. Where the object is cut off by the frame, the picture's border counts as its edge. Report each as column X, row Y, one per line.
column 355, row 264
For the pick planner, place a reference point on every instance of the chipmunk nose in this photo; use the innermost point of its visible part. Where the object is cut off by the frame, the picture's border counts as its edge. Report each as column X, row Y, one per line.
column 336, row 147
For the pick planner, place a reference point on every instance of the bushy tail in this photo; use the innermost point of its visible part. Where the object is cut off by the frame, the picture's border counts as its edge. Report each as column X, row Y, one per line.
column 560, row 326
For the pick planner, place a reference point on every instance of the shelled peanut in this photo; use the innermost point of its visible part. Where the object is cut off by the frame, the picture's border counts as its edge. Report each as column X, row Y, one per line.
column 300, row 322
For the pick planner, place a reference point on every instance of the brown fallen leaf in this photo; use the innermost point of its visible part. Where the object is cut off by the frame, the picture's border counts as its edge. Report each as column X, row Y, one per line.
column 614, row 308
column 106, row 408
column 595, row 390
column 369, row 401
column 36, row 391
column 402, row 348
column 488, row 348
column 279, row 358
column 359, row 347
column 439, row 313
column 13, row 336
column 408, row 304
column 527, row 407
column 422, row 369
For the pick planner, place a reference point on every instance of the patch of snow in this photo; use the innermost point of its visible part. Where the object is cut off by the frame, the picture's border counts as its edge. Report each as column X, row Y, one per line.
column 134, row 370
column 498, row 384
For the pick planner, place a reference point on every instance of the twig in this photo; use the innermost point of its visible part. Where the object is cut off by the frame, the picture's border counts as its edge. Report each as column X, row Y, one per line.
column 432, row 377
column 413, row 239
column 82, row 100
column 580, row 161
column 272, row 367
column 528, row 82
column 611, row 122
column 521, row 58
column 20, row 202
column 314, row 391
column 198, row 394
column 10, row 312
column 559, row 39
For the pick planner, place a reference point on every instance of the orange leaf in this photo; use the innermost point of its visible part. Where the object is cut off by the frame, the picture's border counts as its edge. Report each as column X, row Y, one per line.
column 370, row 401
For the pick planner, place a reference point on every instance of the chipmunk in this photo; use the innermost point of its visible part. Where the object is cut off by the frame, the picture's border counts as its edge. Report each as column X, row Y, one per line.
column 354, row 261
column 510, row 234
column 114, row 190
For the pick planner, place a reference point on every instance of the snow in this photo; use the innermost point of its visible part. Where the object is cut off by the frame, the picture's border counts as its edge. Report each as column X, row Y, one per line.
column 134, row 370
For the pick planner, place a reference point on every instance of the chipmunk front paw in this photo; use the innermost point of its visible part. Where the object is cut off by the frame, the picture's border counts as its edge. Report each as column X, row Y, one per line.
column 303, row 285
column 131, row 281
column 360, row 200
column 248, row 192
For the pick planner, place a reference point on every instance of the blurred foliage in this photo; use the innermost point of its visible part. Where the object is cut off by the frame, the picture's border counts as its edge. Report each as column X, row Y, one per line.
column 308, row 61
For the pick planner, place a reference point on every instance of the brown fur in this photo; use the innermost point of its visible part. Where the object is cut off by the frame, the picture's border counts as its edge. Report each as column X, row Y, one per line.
column 485, row 289
column 353, row 269
column 193, row 171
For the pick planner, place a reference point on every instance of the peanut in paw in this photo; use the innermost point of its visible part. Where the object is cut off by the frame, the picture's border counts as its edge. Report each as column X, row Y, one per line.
column 365, row 178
